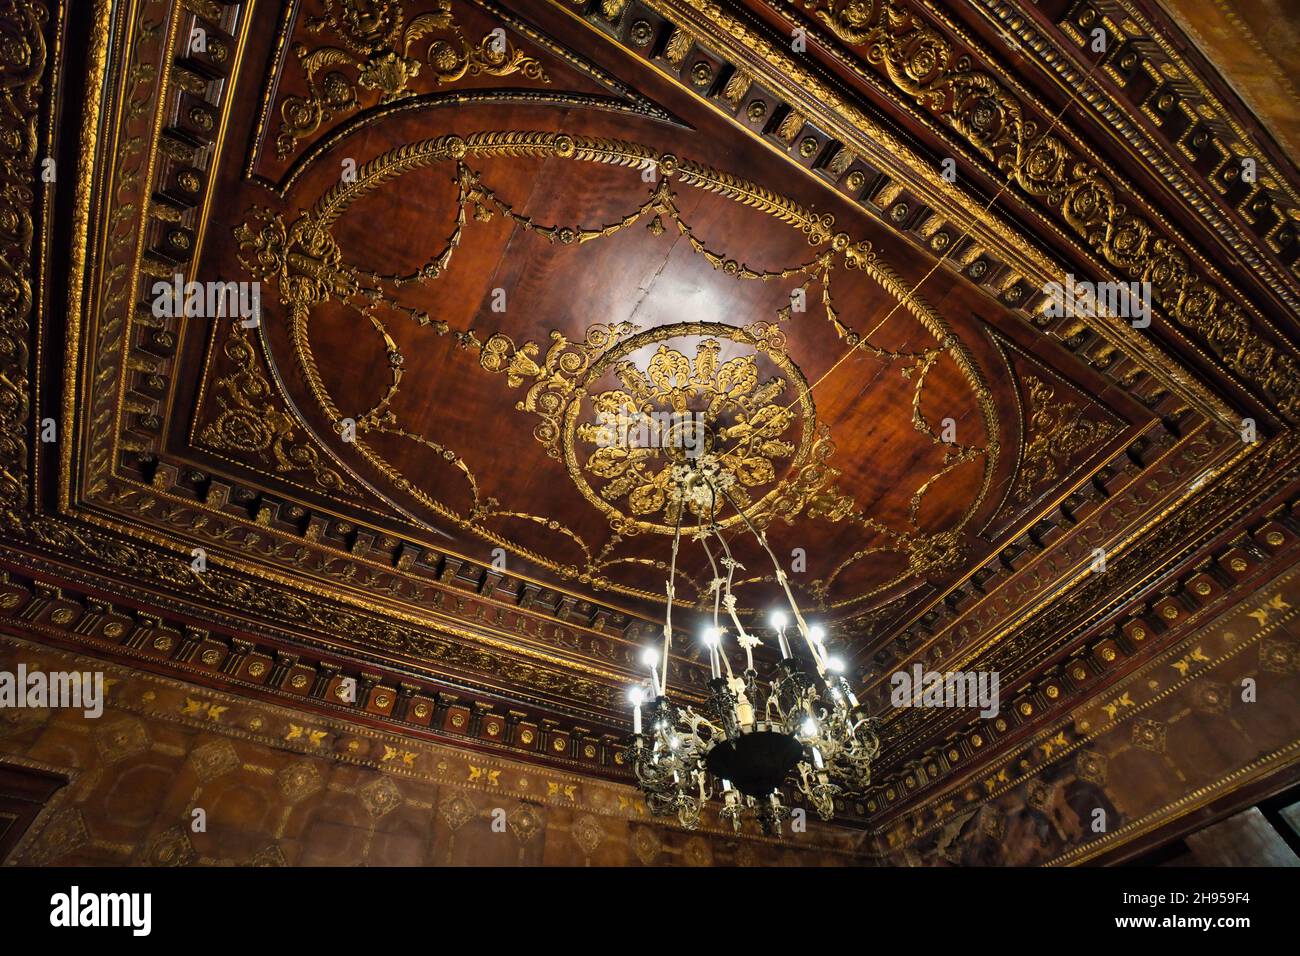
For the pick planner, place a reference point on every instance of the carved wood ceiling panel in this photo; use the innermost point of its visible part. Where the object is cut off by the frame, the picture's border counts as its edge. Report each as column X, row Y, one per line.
column 600, row 262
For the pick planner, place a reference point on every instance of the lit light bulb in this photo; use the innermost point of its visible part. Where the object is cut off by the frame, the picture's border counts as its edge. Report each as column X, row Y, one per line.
column 779, row 619
column 712, row 636
column 809, row 728
column 650, row 658
column 635, row 696
column 835, row 664
column 817, row 633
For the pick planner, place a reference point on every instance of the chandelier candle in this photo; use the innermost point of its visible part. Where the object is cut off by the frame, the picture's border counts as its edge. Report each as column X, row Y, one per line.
column 635, row 696
column 711, row 640
column 778, row 622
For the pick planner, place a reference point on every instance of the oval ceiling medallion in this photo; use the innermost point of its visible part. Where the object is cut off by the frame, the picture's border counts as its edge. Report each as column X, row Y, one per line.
column 686, row 402
column 730, row 394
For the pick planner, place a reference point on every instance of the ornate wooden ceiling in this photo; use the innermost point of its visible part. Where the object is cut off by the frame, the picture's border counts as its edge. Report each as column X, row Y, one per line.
column 826, row 227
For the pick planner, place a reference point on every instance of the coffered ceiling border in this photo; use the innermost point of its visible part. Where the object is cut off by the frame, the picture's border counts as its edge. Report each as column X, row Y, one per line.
column 818, row 106
column 1155, row 21
column 1051, row 560
column 104, row 313
column 1030, row 649
column 1142, row 561
column 830, row 15
column 409, row 578
column 1174, row 165
column 531, row 632
column 1103, row 644
column 260, row 666
column 243, row 597
column 27, row 125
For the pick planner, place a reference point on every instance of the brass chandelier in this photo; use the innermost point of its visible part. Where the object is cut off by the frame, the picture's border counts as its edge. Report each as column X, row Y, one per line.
column 797, row 726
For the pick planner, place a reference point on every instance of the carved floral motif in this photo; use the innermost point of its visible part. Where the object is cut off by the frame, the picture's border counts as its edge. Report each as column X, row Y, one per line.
column 250, row 422
column 1060, row 434
column 725, row 407
column 382, row 47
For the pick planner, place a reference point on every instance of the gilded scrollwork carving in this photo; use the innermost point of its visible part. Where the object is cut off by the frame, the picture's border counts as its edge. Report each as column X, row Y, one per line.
column 318, row 611
column 553, row 383
column 22, row 68
column 923, row 63
column 127, row 175
column 749, row 428
column 750, row 448
column 380, row 45
column 1059, row 433
column 250, row 422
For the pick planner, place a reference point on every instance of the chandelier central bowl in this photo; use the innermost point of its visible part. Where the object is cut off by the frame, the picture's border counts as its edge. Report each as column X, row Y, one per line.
column 757, row 760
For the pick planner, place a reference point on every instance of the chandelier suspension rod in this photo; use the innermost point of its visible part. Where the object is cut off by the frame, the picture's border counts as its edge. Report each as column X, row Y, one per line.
column 668, row 614
column 704, row 542
column 745, row 640
column 729, row 602
column 785, row 586
column 713, row 640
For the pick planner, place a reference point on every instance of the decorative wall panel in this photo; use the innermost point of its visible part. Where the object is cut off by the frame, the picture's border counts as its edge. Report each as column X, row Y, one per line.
column 281, row 789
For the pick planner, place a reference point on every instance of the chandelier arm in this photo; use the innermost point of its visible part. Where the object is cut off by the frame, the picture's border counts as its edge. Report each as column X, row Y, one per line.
column 785, row 585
